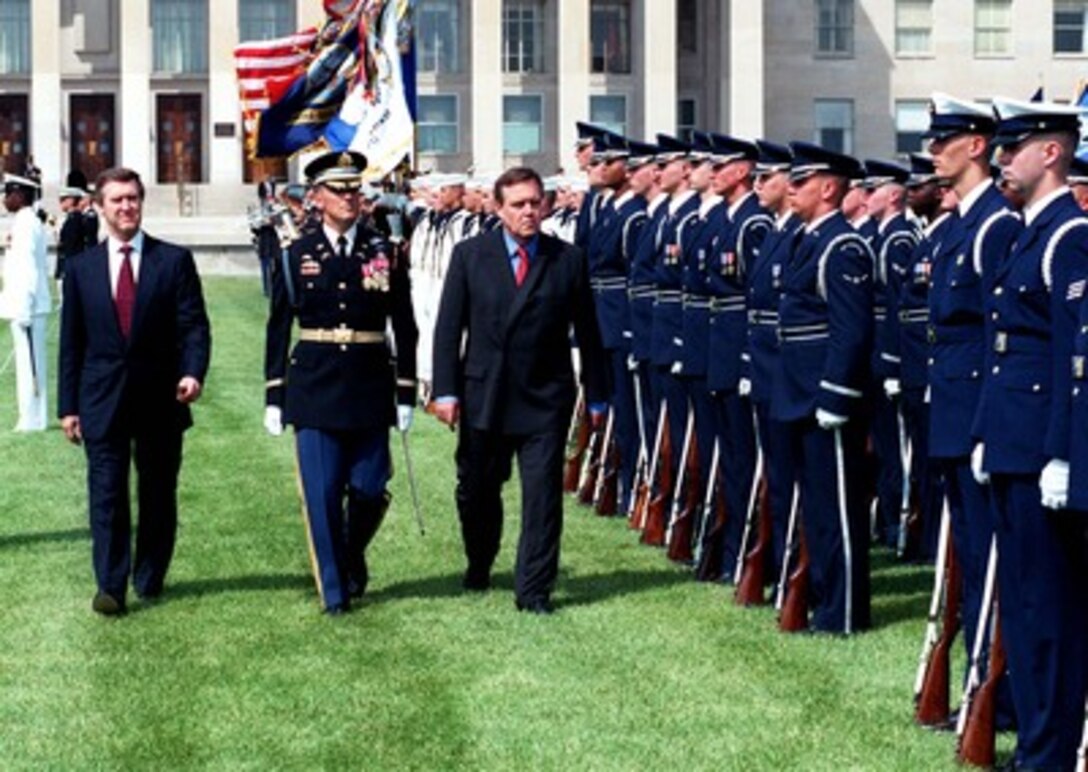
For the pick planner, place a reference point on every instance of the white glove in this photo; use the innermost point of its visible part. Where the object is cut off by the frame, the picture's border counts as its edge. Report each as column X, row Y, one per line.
column 677, row 368
column 744, row 387
column 632, row 363
column 892, row 387
column 981, row 476
column 828, row 420
column 404, row 418
column 1054, row 484
column 273, row 420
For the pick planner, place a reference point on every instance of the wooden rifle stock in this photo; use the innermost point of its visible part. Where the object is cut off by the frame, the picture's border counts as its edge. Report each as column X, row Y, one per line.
column 641, row 508
column 752, row 578
column 608, row 485
column 682, row 527
column 577, row 441
column 933, row 708
column 605, row 457
column 929, row 640
column 977, row 743
column 653, row 532
column 794, row 615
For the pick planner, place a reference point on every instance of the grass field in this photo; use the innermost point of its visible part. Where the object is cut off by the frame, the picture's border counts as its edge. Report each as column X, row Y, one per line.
column 236, row 667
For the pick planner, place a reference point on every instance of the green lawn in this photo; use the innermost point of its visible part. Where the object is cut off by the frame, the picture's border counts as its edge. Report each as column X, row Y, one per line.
column 237, row 668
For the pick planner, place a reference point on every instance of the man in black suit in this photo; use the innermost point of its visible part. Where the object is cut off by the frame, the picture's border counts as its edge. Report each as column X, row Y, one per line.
column 134, row 349
column 513, row 294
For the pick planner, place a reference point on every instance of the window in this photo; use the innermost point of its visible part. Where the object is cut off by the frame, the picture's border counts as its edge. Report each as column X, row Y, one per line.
column 522, row 121
column 686, row 119
column 993, row 27
column 913, row 27
column 14, row 36
column 522, row 36
column 835, row 124
column 437, row 123
column 1070, row 26
column 609, row 112
column 265, row 19
column 179, row 30
column 835, row 27
column 436, row 28
column 911, row 121
column 687, row 26
column 610, row 36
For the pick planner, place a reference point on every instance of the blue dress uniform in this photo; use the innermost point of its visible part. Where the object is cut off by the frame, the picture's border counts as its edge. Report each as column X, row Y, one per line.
column 1078, row 419
column 340, row 388
column 826, row 333
column 912, row 312
column 644, row 241
column 668, row 320
column 608, row 268
column 734, row 250
column 1023, row 422
column 895, row 240
column 765, row 279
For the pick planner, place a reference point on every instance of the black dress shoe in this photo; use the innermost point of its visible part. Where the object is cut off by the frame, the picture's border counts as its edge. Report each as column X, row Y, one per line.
column 336, row 611
column 476, row 581
column 107, row 605
column 543, row 606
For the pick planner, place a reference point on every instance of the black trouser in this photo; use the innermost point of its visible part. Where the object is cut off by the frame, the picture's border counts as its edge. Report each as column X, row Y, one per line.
column 158, row 459
column 483, row 465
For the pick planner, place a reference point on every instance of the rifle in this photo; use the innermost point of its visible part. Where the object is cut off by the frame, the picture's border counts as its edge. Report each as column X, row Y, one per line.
column 976, row 744
column 710, row 504
column 577, row 441
column 686, row 502
column 749, row 516
column 932, row 708
column 787, row 552
column 708, row 557
column 642, row 498
column 794, row 615
column 750, row 585
column 930, row 638
column 604, row 497
column 591, row 469
column 909, row 517
column 653, row 532
column 637, row 481
column 985, row 616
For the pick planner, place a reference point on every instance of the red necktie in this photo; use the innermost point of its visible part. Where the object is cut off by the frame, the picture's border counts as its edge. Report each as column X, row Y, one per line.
column 125, row 298
column 522, row 269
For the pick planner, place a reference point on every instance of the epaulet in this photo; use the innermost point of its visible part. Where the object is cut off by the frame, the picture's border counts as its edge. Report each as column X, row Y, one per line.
column 1052, row 246
column 980, row 237
column 851, row 242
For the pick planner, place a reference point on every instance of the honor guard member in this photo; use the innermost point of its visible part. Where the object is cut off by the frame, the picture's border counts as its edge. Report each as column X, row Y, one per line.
column 825, row 325
column 341, row 390
column 608, row 262
column 1023, row 425
column 895, row 240
column 1077, row 493
column 696, row 249
column 855, row 208
column 584, row 150
column 733, row 252
column 668, row 315
column 645, row 237
column 78, row 232
column 932, row 205
column 765, row 278
column 975, row 242
column 25, row 300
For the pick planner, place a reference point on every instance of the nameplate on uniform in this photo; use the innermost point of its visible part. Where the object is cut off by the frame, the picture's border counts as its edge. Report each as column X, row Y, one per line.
column 1078, row 368
column 1001, row 342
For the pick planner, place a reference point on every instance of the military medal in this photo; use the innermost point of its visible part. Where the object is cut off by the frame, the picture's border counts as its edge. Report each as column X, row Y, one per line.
column 309, row 266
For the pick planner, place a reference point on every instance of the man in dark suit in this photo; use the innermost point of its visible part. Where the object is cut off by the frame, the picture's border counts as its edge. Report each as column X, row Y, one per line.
column 134, row 349
column 512, row 295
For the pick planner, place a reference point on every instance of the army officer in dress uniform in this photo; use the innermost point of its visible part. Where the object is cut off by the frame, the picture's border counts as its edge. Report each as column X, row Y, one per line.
column 341, row 389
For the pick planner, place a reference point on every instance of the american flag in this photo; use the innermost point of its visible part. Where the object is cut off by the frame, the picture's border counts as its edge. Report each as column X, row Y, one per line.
column 266, row 69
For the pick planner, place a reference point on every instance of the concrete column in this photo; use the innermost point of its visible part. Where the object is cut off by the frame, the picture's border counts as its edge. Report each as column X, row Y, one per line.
column 226, row 152
column 136, row 109
column 485, row 68
column 573, row 69
column 745, row 51
column 659, row 69
column 46, row 100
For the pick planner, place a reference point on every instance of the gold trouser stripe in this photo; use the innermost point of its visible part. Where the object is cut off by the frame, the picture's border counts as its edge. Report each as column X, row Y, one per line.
column 314, row 568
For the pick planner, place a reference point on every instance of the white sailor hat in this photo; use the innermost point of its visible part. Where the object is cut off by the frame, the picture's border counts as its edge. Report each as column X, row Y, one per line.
column 1018, row 120
column 14, row 181
column 949, row 116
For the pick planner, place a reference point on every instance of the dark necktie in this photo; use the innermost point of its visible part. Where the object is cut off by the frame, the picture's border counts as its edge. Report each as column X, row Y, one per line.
column 522, row 268
column 125, row 298
column 342, row 246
